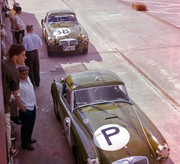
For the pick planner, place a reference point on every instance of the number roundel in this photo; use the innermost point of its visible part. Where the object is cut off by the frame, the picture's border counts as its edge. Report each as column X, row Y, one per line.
column 111, row 137
column 62, row 32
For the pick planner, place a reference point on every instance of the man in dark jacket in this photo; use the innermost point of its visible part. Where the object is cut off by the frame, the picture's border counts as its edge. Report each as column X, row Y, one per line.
column 10, row 80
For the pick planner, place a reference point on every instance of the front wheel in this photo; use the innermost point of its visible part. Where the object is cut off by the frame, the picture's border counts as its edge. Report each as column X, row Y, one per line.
column 50, row 53
column 85, row 51
column 56, row 109
column 77, row 158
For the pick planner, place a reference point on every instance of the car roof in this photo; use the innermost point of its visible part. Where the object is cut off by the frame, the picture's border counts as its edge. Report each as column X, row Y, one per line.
column 92, row 78
column 60, row 11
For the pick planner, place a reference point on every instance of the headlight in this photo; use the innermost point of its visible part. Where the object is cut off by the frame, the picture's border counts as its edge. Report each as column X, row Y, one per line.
column 50, row 41
column 163, row 153
column 85, row 39
column 84, row 36
column 93, row 161
column 50, row 38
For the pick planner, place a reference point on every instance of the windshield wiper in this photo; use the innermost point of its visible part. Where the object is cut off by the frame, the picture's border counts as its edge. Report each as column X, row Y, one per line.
column 86, row 104
column 123, row 100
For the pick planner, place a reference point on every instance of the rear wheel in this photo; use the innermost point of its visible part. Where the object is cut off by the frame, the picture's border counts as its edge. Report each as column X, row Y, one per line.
column 85, row 51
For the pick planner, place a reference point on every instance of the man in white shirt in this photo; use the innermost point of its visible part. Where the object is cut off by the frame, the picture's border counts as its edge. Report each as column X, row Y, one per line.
column 27, row 113
column 31, row 43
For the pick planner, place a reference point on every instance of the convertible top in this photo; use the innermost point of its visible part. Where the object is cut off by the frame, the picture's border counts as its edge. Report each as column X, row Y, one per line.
column 60, row 11
column 92, row 78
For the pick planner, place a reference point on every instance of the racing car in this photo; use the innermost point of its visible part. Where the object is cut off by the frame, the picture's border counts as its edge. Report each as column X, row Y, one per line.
column 103, row 125
column 63, row 32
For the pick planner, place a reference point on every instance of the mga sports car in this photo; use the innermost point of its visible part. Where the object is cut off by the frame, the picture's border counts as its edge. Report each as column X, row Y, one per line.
column 63, row 33
column 102, row 124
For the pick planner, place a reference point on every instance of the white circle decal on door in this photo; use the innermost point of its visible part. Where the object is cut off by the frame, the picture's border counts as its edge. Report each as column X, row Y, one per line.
column 111, row 137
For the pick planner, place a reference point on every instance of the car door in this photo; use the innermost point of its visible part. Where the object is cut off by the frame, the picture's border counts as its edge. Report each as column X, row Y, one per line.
column 65, row 104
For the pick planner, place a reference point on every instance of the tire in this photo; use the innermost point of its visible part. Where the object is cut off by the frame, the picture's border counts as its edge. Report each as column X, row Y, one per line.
column 77, row 158
column 56, row 109
column 50, row 53
column 85, row 51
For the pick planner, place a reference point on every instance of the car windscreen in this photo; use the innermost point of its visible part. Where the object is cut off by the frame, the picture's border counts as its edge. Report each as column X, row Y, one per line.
column 62, row 18
column 99, row 95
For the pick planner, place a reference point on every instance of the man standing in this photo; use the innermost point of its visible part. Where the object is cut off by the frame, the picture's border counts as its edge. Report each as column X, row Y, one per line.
column 18, row 25
column 10, row 80
column 11, row 14
column 31, row 43
column 28, row 114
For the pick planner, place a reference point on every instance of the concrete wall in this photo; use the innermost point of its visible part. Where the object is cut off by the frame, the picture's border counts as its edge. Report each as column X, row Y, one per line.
column 3, row 155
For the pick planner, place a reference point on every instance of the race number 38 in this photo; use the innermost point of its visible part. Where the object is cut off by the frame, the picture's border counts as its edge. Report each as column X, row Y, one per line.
column 62, row 32
column 111, row 137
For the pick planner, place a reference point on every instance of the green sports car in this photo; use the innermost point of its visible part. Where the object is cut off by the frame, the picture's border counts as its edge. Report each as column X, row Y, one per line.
column 102, row 124
column 63, row 33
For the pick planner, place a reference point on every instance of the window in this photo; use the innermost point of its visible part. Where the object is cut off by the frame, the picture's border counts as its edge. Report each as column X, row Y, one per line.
column 67, row 94
column 100, row 94
column 62, row 18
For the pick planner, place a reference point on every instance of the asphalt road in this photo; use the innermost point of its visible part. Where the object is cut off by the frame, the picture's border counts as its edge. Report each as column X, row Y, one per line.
column 142, row 48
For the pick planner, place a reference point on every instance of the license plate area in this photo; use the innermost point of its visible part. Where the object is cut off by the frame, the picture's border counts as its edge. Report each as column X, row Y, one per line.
column 69, row 48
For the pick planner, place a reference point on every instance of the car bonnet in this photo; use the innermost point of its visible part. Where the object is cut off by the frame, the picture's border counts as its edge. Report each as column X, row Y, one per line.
column 64, row 31
column 115, row 130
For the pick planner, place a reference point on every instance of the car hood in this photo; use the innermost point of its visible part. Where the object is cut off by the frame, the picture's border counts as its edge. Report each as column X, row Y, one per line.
column 115, row 129
column 63, row 30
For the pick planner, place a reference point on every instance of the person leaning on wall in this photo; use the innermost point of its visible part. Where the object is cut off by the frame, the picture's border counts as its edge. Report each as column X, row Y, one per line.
column 10, row 81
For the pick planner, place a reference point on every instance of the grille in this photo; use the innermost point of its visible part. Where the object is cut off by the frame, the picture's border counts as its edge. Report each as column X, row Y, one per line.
column 64, row 43
column 73, row 42
column 69, row 42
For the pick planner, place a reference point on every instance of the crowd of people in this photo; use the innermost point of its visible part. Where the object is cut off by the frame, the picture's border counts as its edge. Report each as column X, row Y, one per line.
column 20, row 75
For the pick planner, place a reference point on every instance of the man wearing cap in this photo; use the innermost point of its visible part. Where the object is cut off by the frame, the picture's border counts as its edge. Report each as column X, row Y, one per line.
column 31, row 43
column 28, row 115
